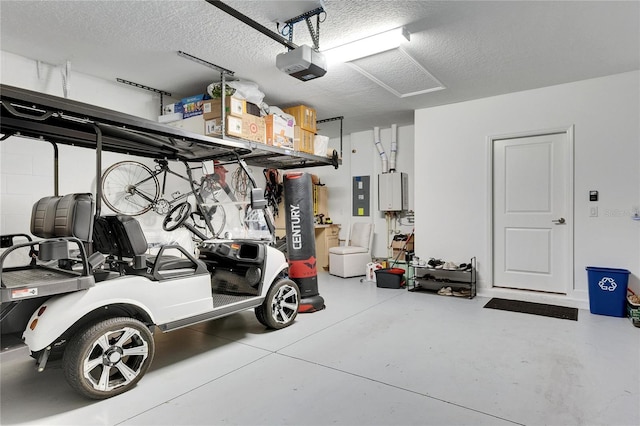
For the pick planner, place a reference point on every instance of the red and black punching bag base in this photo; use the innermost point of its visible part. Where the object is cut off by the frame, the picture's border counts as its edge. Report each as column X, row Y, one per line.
column 311, row 304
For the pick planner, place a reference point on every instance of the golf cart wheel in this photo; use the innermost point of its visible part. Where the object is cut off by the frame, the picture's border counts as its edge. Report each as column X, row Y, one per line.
column 108, row 357
column 280, row 307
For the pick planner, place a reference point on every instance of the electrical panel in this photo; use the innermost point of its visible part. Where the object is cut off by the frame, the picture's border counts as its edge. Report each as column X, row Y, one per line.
column 361, row 197
column 393, row 192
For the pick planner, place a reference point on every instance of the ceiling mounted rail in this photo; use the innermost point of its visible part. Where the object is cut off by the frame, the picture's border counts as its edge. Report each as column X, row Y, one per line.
column 142, row 86
column 287, row 30
column 205, row 63
column 162, row 93
column 253, row 24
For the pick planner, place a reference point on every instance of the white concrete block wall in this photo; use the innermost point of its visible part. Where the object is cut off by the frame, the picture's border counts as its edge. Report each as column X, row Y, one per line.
column 26, row 165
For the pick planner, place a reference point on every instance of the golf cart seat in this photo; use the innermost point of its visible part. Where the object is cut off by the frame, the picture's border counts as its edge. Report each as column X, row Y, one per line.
column 67, row 216
column 60, row 217
column 57, row 220
column 121, row 237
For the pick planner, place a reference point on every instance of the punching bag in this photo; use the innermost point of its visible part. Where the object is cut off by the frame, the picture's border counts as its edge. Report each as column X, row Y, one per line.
column 301, row 241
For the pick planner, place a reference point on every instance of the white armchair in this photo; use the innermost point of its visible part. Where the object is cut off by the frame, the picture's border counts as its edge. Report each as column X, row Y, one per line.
column 351, row 260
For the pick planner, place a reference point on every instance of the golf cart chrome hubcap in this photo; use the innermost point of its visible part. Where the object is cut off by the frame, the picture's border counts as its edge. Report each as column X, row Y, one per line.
column 285, row 304
column 115, row 359
column 112, row 356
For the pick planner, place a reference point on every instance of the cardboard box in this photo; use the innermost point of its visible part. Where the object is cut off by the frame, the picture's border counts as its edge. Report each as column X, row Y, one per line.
column 303, row 140
column 397, row 247
column 234, row 126
column 280, row 131
column 192, row 106
column 254, row 128
column 304, row 115
column 213, row 127
column 248, row 127
column 212, row 108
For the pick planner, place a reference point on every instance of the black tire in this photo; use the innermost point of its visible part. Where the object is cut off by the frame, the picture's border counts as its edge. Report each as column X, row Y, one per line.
column 280, row 307
column 130, row 188
column 101, row 350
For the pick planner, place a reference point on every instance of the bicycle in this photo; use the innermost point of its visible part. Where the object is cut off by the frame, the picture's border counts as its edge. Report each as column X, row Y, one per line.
column 131, row 188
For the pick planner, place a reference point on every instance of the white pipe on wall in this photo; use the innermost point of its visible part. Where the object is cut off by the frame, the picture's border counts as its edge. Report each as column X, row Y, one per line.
column 383, row 155
column 394, row 147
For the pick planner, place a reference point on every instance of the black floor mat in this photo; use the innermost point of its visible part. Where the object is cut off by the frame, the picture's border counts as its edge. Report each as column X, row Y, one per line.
column 533, row 308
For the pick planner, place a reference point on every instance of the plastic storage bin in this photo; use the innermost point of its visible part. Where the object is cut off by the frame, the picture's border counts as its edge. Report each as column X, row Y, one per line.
column 390, row 278
column 608, row 291
column 633, row 309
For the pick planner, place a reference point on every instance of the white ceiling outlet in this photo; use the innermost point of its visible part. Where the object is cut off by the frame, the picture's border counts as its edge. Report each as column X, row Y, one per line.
column 398, row 72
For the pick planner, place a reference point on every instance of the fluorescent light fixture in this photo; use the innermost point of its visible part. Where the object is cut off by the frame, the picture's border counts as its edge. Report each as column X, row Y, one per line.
column 367, row 46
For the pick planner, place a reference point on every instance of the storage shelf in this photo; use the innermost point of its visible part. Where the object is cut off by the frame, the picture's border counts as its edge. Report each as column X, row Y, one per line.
column 428, row 279
column 282, row 158
column 60, row 120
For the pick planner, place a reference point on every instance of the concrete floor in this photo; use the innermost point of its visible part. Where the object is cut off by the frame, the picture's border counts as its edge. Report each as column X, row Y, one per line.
column 374, row 356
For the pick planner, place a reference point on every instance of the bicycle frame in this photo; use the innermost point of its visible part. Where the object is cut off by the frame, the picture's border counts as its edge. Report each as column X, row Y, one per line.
column 163, row 168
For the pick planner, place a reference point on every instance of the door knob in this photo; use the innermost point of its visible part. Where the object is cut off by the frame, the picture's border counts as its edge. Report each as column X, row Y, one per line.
column 559, row 221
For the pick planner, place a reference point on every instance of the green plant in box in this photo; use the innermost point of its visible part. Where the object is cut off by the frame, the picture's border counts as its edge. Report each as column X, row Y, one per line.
column 216, row 90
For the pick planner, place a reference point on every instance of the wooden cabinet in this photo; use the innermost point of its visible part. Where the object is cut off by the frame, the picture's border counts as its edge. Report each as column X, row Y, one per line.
column 320, row 200
column 320, row 205
column 326, row 237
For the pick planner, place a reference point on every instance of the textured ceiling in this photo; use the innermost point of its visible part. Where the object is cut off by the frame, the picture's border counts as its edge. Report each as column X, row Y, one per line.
column 475, row 48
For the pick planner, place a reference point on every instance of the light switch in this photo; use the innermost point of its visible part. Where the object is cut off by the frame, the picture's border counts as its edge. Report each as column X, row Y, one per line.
column 593, row 211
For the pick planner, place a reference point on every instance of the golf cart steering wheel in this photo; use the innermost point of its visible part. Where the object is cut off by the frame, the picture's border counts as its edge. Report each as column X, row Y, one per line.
column 176, row 216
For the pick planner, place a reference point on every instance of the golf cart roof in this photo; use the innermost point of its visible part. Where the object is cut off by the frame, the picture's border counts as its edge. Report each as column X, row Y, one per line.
column 63, row 121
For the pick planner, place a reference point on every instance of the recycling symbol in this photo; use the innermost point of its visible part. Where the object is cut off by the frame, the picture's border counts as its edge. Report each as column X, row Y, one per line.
column 607, row 283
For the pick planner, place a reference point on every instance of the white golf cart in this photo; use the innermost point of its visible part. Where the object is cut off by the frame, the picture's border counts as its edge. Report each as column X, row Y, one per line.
column 86, row 289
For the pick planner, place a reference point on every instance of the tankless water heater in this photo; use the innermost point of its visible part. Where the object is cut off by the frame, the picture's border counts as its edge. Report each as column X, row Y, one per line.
column 393, row 192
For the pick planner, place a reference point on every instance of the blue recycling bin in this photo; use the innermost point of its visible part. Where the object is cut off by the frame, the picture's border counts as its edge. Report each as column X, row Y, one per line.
column 608, row 291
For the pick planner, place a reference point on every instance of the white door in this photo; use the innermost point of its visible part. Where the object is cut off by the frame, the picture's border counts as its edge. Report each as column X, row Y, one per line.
column 531, row 213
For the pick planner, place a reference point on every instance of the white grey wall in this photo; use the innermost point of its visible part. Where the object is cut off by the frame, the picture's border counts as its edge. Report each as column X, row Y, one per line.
column 452, row 166
column 361, row 158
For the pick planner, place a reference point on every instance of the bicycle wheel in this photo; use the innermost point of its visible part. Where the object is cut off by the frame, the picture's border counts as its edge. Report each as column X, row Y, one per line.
column 130, row 188
column 210, row 194
column 217, row 217
column 216, row 214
